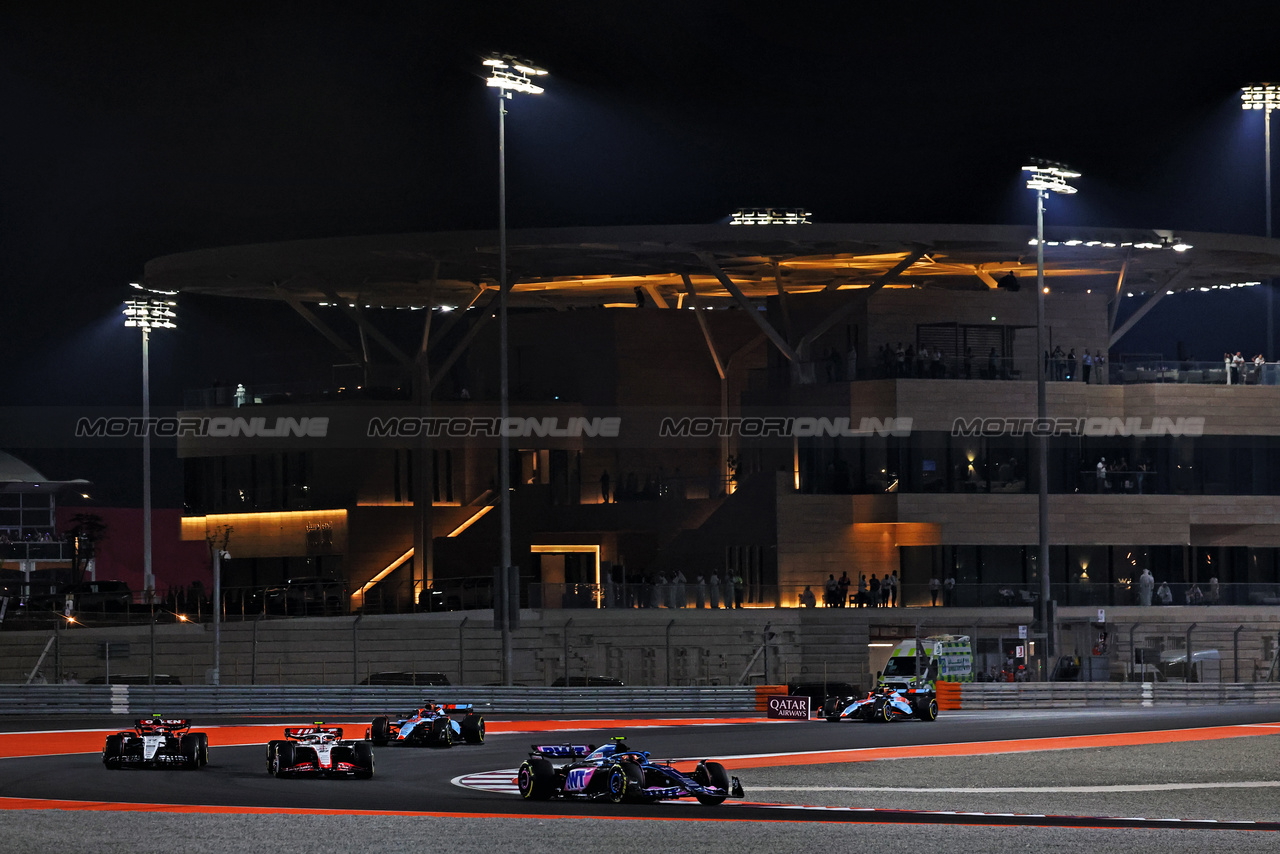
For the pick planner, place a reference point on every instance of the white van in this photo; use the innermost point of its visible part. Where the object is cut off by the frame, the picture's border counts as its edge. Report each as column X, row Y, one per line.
column 946, row 658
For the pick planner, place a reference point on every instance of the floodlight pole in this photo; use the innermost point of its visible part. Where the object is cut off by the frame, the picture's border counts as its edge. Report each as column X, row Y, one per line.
column 504, row 451
column 1042, row 440
column 1266, row 135
column 148, row 578
column 1045, row 177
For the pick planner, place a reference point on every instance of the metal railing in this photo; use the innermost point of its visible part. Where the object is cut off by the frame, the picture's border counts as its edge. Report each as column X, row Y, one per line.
column 1059, row 695
column 364, row 700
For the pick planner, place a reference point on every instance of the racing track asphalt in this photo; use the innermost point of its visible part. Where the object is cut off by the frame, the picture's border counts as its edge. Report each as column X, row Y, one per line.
column 1201, row 780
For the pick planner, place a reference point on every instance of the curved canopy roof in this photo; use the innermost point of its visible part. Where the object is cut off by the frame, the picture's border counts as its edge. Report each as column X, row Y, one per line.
column 581, row 267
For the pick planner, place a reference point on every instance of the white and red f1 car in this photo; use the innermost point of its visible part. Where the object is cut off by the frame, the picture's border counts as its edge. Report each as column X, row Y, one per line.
column 319, row 751
column 156, row 742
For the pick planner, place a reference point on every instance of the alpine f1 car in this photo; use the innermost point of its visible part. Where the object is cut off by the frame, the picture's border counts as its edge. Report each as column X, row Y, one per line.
column 431, row 725
column 319, row 751
column 615, row 773
column 156, row 742
column 887, row 704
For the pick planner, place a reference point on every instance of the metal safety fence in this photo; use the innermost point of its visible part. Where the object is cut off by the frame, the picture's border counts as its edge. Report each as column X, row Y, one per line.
column 370, row 701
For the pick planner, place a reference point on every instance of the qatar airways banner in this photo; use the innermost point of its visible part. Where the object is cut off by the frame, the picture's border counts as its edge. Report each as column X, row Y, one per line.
column 783, row 706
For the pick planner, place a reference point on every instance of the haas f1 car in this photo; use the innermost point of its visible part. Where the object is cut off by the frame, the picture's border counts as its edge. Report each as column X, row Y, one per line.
column 615, row 773
column 432, row 725
column 887, row 704
column 318, row 751
column 156, row 742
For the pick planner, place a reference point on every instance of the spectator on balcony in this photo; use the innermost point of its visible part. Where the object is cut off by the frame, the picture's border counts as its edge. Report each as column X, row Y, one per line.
column 893, row 589
column 1145, row 583
column 1101, row 485
column 1086, row 362
column 934, row 587
column 700, row 591
column 1164, row 594
column 993, row 365
column 726, row 589
column 873, row 592
column 939, row 368
column 604, row 486
column 1212, row 594
column 949, row 591
column 807, row 599
column 843, row 583
column 240, row 395
column 886, row 590
column 714, row 584
column 1071, row 365
column 678, row 594
column 830, row 590
column 1195, row 596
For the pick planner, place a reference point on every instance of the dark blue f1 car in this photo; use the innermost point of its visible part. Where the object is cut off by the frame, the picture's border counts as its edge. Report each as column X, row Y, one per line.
column 615, row 773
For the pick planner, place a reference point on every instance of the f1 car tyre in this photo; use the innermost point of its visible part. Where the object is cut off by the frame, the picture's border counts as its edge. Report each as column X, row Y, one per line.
column 204, row 747
column 831, row 709
column 282, row 759
column 379, row 733
column 271, row 755
column 473, row 729
column 189, row 747
column 625, row 781
column 441, row 733
column 711, row 774
column 928, row 711
column 111, row 752
column 364, row 758
column 886, row 713
column 536, row 780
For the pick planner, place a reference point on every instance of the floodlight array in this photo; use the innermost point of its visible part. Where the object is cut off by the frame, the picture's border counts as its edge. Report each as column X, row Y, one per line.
column 771, row 216
column 512, row 75
column 1046, row 176
column 148, row 314
column 1260, row 96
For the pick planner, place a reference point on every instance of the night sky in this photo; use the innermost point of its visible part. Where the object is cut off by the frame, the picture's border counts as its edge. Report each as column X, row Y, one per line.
column 138, row 130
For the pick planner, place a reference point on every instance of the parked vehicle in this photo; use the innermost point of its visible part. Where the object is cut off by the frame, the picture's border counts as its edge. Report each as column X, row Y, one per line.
column 404, row 677
column 588, row 682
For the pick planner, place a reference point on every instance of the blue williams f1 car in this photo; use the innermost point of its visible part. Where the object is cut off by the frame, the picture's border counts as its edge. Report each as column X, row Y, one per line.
column 887, row 704
column 615, row 773
column 430, row 725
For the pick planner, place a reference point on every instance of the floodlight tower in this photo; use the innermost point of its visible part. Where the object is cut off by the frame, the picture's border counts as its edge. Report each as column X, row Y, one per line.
column 1044, row 178
column 148, row 314
column 508, row 75
column 1265, row 97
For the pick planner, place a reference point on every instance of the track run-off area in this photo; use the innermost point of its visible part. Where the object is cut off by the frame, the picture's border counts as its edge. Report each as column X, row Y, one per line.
column 1189, row 768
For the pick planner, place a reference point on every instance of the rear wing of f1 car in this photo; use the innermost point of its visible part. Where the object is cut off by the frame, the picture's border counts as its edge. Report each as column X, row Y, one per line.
column 562, row 751
column 156, row 722
column 297, row 732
